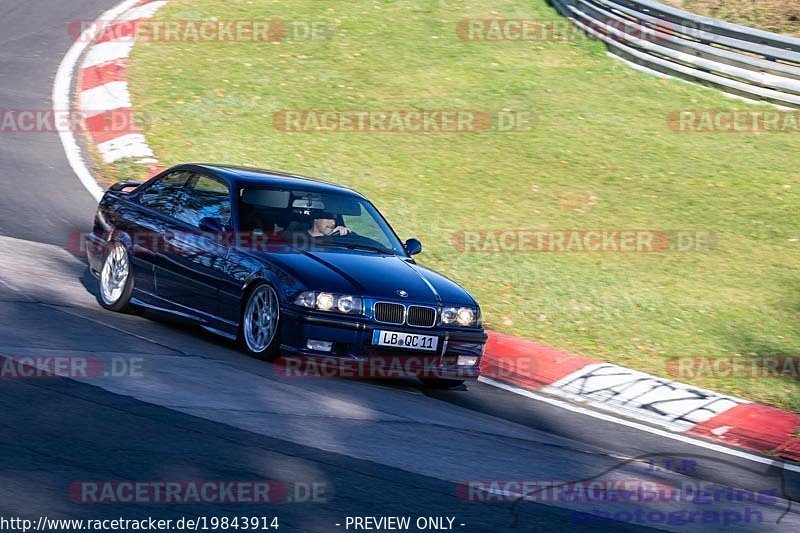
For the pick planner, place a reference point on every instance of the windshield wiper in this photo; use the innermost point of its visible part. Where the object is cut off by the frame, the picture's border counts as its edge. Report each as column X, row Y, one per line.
column 369, row 247
column 356, row 246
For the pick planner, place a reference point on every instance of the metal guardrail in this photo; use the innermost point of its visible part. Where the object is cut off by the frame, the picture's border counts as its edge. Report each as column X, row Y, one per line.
column 744, row 61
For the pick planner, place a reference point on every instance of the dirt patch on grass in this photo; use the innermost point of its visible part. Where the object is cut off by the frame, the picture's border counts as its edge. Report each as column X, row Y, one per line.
column 780, row 16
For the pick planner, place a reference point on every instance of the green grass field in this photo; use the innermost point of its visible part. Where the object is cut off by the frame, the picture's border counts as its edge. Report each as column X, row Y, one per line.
column 601, row 156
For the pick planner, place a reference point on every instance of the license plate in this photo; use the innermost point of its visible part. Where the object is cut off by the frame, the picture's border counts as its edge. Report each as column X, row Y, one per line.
column 408, row 341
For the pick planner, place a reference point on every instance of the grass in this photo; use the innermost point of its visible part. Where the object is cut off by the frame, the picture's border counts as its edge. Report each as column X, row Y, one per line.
column 600, row 156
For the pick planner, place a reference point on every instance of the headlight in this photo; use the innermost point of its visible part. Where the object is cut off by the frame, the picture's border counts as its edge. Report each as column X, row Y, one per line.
column 348, row 304
column 465, row 316
column 325, row 301
column 462, row 316
column 449, row 315
column 306, row 299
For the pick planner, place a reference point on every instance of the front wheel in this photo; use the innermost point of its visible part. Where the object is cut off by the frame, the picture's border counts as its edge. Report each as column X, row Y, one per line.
column 258, row 330
column 116, row 280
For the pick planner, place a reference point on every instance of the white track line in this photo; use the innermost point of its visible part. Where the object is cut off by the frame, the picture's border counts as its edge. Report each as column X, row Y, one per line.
column 641, row 427
column 61, row 99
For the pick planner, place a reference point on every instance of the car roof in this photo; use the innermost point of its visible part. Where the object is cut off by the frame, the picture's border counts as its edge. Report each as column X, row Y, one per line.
column 244, row 176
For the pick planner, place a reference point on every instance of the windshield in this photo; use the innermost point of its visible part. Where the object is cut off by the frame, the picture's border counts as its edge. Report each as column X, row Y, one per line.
column 318, row 219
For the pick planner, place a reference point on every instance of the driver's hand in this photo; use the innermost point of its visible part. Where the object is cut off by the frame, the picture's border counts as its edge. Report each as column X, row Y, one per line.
column 340, row 230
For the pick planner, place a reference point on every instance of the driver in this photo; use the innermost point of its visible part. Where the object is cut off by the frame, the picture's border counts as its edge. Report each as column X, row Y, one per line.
column 324, row 225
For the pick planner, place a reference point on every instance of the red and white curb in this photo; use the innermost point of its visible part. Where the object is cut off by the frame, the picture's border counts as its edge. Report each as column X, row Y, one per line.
column 103, row 97
column 103, row 94
column 570, row 381
column 634, row 395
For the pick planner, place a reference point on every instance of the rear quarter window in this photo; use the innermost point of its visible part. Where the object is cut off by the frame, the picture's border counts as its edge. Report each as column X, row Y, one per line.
column 163, row 195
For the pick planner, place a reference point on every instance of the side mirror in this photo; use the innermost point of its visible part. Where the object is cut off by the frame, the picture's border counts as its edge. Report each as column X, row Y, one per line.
column 212, row 224
column 413, row 246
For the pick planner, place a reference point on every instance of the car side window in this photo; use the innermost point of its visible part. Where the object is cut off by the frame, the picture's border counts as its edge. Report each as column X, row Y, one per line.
column 163, row 195
column 205, row 197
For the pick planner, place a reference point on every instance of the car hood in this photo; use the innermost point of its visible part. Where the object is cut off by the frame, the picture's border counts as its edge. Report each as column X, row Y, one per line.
column 369, row 274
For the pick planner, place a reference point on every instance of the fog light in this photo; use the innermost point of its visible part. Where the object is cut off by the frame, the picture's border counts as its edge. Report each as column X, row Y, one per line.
column 467, row 360
column 321, row 346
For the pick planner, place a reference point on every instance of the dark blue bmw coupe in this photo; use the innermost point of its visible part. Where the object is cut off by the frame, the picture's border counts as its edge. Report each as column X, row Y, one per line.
column 282, row 263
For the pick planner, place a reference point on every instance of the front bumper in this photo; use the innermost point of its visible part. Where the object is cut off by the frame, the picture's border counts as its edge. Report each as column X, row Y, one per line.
column 354, row 355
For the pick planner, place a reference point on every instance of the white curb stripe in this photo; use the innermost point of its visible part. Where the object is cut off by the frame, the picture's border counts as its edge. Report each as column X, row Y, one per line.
column 563, row 404
column 129, row 145
column 108, row 51
column 61, row 100
column 112, row 95
column 142, row 12
column 116, row 95
column 106, row 97
column 670, row 404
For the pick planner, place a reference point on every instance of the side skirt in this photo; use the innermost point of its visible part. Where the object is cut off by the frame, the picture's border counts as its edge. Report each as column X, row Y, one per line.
column 211, row 323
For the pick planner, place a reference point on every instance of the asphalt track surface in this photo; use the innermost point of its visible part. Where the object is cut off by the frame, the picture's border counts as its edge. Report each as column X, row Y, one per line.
column 200, row 410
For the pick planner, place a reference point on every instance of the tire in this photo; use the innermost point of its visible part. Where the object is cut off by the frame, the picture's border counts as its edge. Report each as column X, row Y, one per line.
column 433, row 383
column 259, row 325
column 116, row 280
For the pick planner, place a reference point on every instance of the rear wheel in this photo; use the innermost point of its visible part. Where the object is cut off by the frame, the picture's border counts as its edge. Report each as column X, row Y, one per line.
column 116, row 280
column 258, row 329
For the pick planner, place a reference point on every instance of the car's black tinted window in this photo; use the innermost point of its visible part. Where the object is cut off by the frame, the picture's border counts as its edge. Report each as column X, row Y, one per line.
column 290, row 212
column 163, row 195
column 205, row 197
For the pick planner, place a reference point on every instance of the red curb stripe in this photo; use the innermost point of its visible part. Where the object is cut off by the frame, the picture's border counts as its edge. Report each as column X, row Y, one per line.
column 527, row 364
column 752, row 426
column 790, row 450
column 111, row 124
column 101, row 74
column 532, row 366
column 155, row 170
